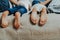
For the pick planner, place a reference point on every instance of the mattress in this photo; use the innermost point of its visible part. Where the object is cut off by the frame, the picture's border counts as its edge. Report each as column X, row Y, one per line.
column 27, row 31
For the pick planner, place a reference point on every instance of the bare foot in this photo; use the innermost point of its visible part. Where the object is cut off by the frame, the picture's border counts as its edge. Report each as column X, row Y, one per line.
column 4, row 22
column 16, row 23
column 43, row 19
column 33, row 18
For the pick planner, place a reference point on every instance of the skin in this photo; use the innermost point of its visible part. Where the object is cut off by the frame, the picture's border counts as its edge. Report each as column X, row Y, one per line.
column 4, row 22
column 16, row 22
column 43, row 17
column 14, row 2
column 33, row 18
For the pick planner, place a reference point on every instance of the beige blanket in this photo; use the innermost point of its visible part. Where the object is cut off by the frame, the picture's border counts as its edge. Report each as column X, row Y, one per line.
column 50, row 31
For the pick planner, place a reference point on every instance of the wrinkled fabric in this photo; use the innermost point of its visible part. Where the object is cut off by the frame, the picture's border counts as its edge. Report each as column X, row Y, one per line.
column 55, row 6
column 27, row 31
column 36, row 4
column 38, row 7
column 25, row 3
column 4, row 5
column 39, row 0
column 15, row 9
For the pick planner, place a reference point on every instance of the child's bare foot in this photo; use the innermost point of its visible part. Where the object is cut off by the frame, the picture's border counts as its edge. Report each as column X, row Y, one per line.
column 4, row 22
column 43, row 19
column 16, row 23
column 33, row 18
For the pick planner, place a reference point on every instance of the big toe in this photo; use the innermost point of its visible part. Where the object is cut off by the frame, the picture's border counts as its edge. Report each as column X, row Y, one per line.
column 16, row 26
column 4, row 25
column 35, row 21
column 42, row 22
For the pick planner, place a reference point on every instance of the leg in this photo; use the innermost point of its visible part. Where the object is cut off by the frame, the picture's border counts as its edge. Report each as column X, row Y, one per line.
column 4, row 22
column 17, row 20
column 43, row 17
column 33, row 16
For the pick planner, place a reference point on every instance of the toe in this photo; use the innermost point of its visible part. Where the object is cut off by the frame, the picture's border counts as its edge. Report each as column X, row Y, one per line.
column 42, row 22
column 16, row 26
column 35, row 21
column 4, row 25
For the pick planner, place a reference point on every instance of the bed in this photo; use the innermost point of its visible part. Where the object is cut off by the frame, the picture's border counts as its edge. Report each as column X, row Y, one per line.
column 50, row 31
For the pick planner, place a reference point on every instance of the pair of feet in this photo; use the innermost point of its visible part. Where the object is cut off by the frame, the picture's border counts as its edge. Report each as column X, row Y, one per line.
column 5, row 23
column 34, row 19
column 42, row 19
